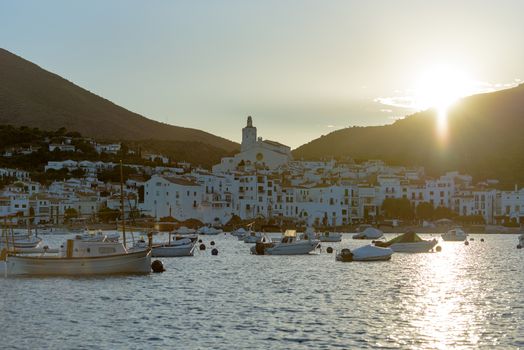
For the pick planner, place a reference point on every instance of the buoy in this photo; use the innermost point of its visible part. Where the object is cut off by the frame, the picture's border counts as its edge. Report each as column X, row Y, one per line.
column 482, row 239
column 214, row 251
column 202, row 246
column 212, row 243
column 329, row 250
column 157, row 266
column 199, row 241
column 466, row 243
column 438, row 248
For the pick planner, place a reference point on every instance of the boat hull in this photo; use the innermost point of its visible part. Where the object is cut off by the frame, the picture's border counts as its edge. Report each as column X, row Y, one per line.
column 415, row 247
column 449, row 238
column 131, row 263
column 324, row 238
column 173, row 251
column 299, row 248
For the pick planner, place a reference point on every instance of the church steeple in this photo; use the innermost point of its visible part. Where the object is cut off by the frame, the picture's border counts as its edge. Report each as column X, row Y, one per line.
column 249, row 135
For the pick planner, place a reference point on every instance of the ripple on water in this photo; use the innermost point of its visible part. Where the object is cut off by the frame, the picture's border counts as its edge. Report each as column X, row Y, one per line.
column 464, row 297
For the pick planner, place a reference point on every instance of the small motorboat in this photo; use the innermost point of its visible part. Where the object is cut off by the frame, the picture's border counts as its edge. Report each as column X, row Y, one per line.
column 408, row 242
column 20, row 242
column 289, row 245
column 239, row 232
column 309, row 233
column 368, row 232
column 330, row 237
column 366, row 253
column 252, row 237
column 169, row 249
column 455, row 235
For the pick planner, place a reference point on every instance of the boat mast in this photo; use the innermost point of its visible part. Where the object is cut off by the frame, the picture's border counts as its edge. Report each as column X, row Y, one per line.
column 122, row 203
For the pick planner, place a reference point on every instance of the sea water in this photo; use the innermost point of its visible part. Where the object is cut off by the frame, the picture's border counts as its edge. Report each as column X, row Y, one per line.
column 463, row 297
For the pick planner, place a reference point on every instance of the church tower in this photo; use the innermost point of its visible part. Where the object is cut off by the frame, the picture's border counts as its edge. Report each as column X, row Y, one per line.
column 249, row 136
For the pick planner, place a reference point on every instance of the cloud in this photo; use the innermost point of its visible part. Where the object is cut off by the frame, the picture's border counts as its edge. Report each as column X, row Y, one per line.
column 408, row 98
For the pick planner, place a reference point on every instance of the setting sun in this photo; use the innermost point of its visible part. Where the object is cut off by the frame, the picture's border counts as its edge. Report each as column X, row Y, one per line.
column 439, row 87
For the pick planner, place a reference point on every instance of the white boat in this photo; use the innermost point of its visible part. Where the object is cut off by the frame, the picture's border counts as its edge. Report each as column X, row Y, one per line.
column 456, row 235
column 239, row 232
column 171, row 248
column 20, row 241
column 185, row 231
column 289, row 245
column 309, row 233
column 98, row 236
column 208, row 230
column 80, row 257
column 408, row 242
column 366, row 253
column 330, row 237
column 368, row 232
column 252, row 237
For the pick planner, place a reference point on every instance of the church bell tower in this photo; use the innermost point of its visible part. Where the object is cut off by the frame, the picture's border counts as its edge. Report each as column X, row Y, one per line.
column 249, row 135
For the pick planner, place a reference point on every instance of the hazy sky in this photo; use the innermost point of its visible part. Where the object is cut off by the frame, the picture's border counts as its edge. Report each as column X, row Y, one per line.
column 300, row 68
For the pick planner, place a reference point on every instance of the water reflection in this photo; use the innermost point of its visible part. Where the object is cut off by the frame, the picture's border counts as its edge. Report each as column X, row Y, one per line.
column 464, row 297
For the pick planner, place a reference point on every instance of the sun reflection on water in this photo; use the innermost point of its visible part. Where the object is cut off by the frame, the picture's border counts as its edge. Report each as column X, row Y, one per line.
column 445, row 312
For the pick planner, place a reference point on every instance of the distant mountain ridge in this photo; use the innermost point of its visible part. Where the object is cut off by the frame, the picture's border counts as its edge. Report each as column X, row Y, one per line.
column 485, row 138
column 32, row 96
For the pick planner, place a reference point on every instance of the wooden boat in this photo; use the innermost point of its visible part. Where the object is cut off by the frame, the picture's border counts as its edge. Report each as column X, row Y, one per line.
column 82, row 258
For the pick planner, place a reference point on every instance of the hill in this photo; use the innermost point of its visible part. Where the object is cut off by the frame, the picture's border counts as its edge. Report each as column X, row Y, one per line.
column 484, row 139
column 31, row 96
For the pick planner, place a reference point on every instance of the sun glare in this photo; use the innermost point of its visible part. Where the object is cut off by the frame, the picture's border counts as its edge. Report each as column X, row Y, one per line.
column 439, row 87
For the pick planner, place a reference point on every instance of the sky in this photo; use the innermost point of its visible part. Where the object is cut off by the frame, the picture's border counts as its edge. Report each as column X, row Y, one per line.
column 301, row 68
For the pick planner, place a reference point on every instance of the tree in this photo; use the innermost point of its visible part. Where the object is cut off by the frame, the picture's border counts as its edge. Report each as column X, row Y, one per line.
column 397, row 208
column 70, row 213
column 106, row 214
column 425, row 211
column 443, row 213
column 78, row 173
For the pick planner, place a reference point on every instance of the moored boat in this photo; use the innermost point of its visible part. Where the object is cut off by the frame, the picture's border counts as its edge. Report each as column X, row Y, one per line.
column 408, row 242
column 78, row 257
column 289, row 245
column 368, row 232
column 175, row 246
column 330, row 237
column 252, row 237
column 455, row 235
column 366, row 253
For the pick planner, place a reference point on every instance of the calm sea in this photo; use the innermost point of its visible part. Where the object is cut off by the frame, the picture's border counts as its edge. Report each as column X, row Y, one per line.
column 463, row 297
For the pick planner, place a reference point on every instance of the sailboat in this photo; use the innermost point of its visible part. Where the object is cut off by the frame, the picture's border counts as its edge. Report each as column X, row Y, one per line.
column 78, row 257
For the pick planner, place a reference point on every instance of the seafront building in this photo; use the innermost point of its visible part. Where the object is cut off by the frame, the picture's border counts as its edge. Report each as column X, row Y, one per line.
column 261, row 181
